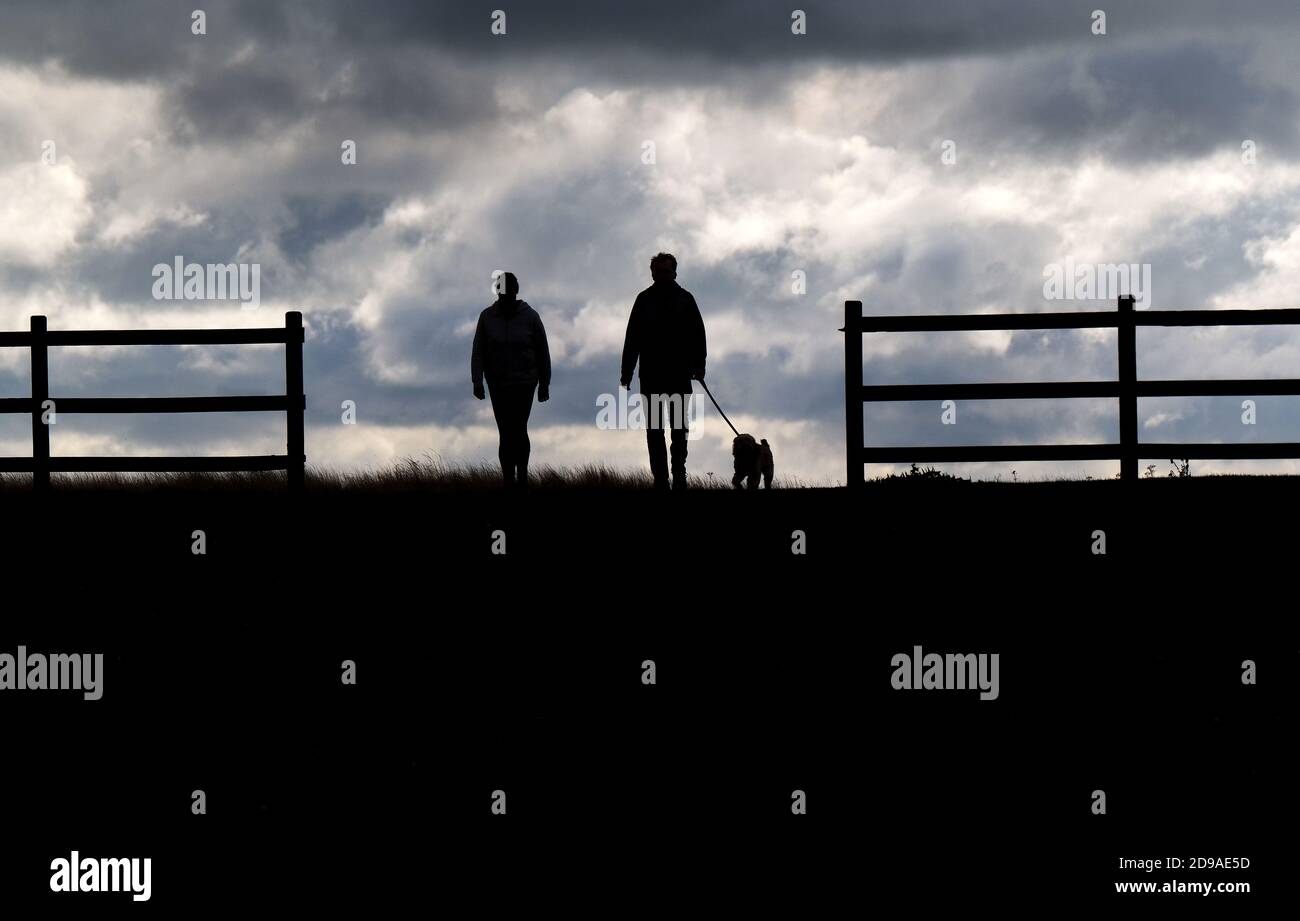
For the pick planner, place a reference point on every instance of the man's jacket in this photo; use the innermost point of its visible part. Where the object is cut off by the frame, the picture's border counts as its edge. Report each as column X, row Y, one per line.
column 666, row 332
column 510, row 346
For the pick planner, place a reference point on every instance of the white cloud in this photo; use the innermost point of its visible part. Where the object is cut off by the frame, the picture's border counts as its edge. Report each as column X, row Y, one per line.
column 42, row 209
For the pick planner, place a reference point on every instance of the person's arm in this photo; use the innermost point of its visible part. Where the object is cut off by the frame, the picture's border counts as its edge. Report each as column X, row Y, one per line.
column 631, row 344
column 543, row 352
column 476, row 359
column 699, row 348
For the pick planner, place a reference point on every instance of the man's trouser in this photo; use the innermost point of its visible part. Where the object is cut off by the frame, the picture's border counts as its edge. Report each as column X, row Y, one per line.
column 667, row 410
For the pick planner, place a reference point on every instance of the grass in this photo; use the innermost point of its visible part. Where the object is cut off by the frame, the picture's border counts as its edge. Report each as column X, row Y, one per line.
column 433, row 475
column 409, row 475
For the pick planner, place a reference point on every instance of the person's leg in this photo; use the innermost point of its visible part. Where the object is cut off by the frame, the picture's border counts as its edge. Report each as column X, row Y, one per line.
column 499, row 395
column 523, row 447
column 654, row 435
column 678, row 413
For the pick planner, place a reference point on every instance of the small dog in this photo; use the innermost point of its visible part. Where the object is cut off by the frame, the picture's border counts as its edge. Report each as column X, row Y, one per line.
column 753, row 460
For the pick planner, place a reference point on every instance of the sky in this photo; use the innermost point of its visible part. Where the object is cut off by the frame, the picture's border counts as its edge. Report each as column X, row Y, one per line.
column 922, row 157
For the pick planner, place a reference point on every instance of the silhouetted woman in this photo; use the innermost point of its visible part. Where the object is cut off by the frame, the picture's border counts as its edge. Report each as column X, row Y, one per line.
column 510, row 351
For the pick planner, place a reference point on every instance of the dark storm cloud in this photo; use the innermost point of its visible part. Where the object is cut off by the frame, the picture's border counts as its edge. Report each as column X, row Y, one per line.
column 348, row 92
column 144, row 39
column 140, row 38
column 1128, row 104
column 315, row 220
column 262, row 66
column 754, row 32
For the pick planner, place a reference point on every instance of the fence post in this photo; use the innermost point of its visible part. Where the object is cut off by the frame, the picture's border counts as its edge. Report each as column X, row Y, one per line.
column 853, row 443
column 1128, row 426
column 296, row 398
column 40, row 393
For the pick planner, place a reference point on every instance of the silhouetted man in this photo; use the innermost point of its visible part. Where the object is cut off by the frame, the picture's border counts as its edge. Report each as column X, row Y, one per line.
column 666, row 332
column 510, row 350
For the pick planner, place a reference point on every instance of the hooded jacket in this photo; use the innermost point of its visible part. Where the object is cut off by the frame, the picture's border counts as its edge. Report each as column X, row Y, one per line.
column 510, row 346
column 666, row 333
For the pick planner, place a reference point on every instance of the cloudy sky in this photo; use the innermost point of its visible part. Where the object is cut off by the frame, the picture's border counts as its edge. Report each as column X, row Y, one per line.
column 921, row 157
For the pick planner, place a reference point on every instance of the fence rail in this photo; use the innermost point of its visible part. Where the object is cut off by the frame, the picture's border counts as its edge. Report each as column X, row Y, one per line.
column 1127, row 389
column 293, row 402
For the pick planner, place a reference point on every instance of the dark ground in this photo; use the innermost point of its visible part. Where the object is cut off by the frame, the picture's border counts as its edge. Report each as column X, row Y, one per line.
column 521, row 672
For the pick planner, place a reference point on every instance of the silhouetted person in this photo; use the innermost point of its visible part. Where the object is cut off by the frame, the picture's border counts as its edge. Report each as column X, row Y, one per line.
column 510, row 351
column 666, row 332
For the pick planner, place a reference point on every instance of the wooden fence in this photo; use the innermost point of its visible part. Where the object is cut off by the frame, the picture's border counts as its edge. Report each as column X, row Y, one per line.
column 1127, row 389
column 292, row 402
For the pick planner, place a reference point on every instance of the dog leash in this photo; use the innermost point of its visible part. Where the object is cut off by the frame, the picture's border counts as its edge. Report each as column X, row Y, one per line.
column 715, row 404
